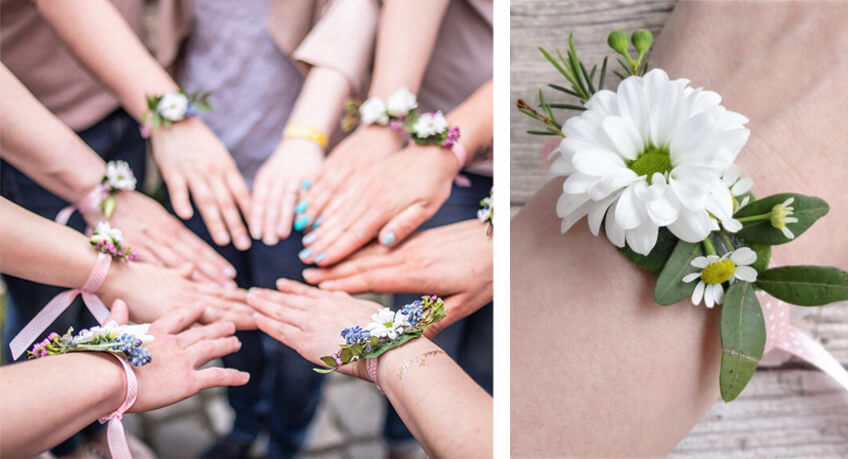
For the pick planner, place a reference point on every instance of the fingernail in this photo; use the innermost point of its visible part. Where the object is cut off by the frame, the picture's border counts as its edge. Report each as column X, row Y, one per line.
column 387, row 239
column 321, row 257
column 230, row 285
column 301, row 222
column 327, row 285
column 301, row 207
column 270, row 240
column 318, row 221
column 306, row 184
column 305, row 253
column 310, row 238
column 222, row 236
column 229, row 271
column 242, row 242
column 309, row 272
column 255, row 235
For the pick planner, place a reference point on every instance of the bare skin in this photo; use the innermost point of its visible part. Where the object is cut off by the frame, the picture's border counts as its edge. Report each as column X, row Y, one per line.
column 597, row 367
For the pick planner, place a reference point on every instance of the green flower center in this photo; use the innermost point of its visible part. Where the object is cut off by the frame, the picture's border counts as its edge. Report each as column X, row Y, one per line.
column 718, row 272
column 388, row 324
column 653, row 159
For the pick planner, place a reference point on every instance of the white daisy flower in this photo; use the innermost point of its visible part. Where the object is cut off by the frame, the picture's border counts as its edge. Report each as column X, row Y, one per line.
column 105, row 232
column 652, row 154
column 781, row 214
column 739, row 186
column 119, row 175
column 172, row 106
column 716, row 270
column 430, row 124
column 387, row 324
column 401, row 102
column 373, row 111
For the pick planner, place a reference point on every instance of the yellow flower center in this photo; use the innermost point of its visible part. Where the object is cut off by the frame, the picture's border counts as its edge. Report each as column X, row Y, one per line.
column 652, row 160
column 779, row 213
column 388, row 324
column 718, row 272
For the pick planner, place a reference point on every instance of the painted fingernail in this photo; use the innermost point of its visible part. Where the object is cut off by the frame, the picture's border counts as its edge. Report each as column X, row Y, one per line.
column 387, row 239
column 318, row 221
column 301, row 222
column 310, row 238
column 321, row 257
column 305, row 253
column 306, row 184
column 301, row 207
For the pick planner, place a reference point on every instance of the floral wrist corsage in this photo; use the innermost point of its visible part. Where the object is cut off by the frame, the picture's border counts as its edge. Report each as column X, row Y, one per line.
column 119, row 177
column 110, row 241
column 127, row 341
column 653, row 164
column 487, row 211
column 166, row 109
column 387, row 330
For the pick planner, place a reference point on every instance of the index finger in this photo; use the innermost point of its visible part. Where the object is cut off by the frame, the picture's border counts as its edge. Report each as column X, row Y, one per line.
column 176, row 320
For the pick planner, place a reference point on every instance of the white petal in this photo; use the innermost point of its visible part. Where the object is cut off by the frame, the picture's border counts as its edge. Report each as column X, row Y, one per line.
column 643, row 238
column 698, row 293
column 663, row 211
column 742, row 186
column 731, row 175
column 624, row 136
column 743, row 256
column 605, row 102
column 718, row 293
column 746, row 273
column 731, row 225
column 569, row 219
column 709, row 298
column 626, row 213
column 690, row 277
column 578, row 183
column 691, row 226
column 633, row 104
column 596, row 162
column 615, row 233
column 700, row 262
column 596, row 214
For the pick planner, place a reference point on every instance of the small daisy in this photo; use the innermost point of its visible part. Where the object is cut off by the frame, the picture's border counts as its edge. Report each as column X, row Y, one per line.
column 119, row 176
column 716, row 270
column 173, row 106
column 781, row 214
column 430, row 124
column 387, row 324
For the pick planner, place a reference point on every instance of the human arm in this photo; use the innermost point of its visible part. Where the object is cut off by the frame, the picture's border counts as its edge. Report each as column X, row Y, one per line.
column 66, row 392
column 420, row 381
column 190, row 156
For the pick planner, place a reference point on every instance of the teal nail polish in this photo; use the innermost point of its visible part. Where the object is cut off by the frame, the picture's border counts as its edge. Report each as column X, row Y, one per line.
column 301, row 222
column 321, row 257
column 318, row 221
column 309, row 238
column 306, row 184
column 305, row 253
column 387, row 239
column 301, row 207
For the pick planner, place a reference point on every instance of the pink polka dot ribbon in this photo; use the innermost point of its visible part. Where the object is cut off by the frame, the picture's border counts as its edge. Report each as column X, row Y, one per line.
column 116, row 437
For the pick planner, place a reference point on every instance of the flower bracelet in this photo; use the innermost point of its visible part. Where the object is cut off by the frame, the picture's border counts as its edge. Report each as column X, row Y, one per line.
column 486, row 212
column 163, row 110
column 119, row 177
column 387, row 330
column 654, row 164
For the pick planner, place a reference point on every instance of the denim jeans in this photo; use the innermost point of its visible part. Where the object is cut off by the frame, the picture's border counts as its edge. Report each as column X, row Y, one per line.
column 468, row 341
column 115, row 137
column 283, row 392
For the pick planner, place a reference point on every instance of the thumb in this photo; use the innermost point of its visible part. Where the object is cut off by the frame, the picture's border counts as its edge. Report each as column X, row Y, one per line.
column 403, row 224
column 119, row 313
column 452, row 314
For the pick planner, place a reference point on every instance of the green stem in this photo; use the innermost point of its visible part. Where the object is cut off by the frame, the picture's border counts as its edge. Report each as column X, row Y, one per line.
column 754, row 218
column 726, row 240
column 708, row 247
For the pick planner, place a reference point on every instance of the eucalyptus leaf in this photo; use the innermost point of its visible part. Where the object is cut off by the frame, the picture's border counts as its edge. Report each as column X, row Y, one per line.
column 670, row 287
column 743, row 339
column 655, row 260
column 399, row 342
column 805, row 285
column 807, row 209
column 345, row 356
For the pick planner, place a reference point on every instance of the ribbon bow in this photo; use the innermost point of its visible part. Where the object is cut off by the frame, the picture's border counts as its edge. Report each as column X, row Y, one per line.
column 89, row 202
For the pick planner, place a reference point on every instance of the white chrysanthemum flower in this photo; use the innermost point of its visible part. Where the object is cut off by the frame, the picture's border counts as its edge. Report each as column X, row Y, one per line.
column 739, row 187
column 140, row 331
column 485, row 212
column 781, row 214
column 401, row 102
column 120, row 176
column 373, row 111
column 649, row 155
column 104, row 231
column 387, row 324
column 430, row 124
column 172, row 106
column 717, row 270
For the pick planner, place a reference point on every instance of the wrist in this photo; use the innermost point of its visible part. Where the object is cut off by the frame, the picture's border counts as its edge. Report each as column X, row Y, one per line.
column 392, row 365
column 110, row 377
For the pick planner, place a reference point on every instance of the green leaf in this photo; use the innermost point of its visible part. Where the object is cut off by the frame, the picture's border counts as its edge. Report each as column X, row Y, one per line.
column 603, row 77
column 399, row 342
column 541, row 133
column 805, row 285
column 563, row 89
column 108, row 206
column 654, row 261
column 329, row 361
column 808, row 209
column 763, row 252
column 743, row 339
column 670, row 287
column 345, row 356
column 568, row 107
column 324, row 370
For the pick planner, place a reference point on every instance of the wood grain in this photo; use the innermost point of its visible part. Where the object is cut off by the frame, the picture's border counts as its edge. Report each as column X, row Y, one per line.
column 790, row 410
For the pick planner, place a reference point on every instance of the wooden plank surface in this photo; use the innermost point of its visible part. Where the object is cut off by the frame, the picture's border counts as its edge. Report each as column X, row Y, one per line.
column 789, row 410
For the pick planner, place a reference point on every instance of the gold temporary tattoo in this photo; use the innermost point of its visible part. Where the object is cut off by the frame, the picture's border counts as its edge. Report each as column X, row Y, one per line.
column 420, row 361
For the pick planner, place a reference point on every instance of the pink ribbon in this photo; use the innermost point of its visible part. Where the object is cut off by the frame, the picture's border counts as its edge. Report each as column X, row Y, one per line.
column 60, row 302
column 781, row 334
column 90, row 202
column 371, row 368
column 115, row 435
column 459, row 151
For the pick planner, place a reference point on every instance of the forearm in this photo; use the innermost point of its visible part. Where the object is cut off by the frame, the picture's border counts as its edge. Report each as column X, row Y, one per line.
column 423, row 383
column 59, row 395
column 320, row 102
column 475, row 120
column 405, row 41
column 100, row 37
column 40, row 146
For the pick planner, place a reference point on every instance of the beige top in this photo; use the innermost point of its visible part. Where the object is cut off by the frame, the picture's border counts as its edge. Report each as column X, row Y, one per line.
column 38, row 57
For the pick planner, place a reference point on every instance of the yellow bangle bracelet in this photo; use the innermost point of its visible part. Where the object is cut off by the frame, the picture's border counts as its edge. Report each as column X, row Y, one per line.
column 296, row 131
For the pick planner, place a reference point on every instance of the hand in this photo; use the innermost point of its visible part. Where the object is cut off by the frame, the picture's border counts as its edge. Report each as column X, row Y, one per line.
column 354, row 155
column 427, row 262
column 161, row 239
column 152, row 291
column 177, row 353
column 278, row 187
column 309, row 320
column 192, row 158
column 393, row 199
